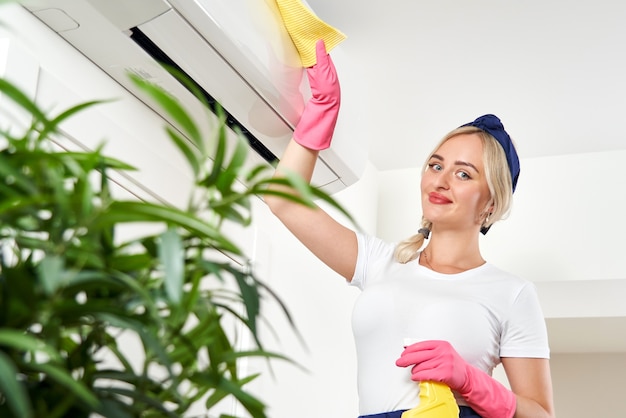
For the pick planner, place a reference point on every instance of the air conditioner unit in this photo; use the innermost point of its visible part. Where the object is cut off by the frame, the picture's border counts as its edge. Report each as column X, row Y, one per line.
column 238, row 52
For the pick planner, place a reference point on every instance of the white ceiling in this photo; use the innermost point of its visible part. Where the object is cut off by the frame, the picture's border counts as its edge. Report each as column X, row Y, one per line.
column 553, row 71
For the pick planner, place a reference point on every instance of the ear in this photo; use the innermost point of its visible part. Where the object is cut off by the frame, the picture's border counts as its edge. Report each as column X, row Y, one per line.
column 490, row 206
column 488, row 210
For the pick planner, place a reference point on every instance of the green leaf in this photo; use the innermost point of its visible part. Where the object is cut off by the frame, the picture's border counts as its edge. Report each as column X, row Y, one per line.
column 94, row 160
column 113, row 408
column 51, row 125
column 112, row 346
column 220, row 153
column 85, row 197
column 17, row 96
column 253, row 405
column 172, row 257
column 328, row 199
column 189, row 84
column 20, row 341
column 50, row 271
column 171, row 107
column 299, row 184
column 62, row 377
column 131, row 262
column 220, row 391
column 149, row 339
column 286, row 190
column 188, row 151
column 226, row 209
column 261, row 353
column 231, row 171
column 250, row 296
column 140, row 398
column 255, row 172
column 136, row 288
column 14, row 172
column 132, row 211
column 194, row 88
column 14, row 393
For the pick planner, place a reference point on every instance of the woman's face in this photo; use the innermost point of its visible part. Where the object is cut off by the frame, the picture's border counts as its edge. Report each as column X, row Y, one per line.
column 455, row 194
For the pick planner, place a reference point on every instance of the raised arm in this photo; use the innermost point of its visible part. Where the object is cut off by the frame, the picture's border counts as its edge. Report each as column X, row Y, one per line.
column 329, row 240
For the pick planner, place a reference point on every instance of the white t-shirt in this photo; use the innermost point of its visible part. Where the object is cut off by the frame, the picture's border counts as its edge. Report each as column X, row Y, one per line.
column 485, row 313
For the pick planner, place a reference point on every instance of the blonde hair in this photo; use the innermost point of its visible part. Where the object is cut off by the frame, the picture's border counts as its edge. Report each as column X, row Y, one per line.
column 499, row 182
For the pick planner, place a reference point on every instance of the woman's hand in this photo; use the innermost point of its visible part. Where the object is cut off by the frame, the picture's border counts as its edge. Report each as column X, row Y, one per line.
column 317, row 123
column 438, row 361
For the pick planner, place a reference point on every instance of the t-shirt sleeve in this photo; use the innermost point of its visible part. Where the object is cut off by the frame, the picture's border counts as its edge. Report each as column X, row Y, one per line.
column 372, row 256
column 524, row 332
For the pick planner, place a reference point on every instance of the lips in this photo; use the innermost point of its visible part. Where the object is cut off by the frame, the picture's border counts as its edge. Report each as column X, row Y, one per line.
column 438, row 199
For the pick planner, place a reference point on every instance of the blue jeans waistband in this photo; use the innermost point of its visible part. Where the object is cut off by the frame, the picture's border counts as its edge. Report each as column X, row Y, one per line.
column 464, row 412
column 393, row 414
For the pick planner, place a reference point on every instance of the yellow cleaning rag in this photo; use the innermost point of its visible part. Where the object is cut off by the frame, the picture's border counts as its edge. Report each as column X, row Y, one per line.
column 305, row 29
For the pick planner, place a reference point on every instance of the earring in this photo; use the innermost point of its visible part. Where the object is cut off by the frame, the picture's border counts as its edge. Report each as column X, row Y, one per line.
column 486, row 220
column 485, row 226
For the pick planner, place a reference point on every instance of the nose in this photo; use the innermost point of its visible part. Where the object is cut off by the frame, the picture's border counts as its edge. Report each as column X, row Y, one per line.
column 441, row 181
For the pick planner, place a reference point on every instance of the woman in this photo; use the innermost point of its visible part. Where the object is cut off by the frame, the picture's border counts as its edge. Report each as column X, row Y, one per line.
column 462, row 315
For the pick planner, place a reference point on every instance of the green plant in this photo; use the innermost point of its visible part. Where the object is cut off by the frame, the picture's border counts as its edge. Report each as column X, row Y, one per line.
column 69, row 285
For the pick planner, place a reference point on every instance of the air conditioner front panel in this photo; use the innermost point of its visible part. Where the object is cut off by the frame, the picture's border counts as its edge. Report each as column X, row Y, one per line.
column 238, row 52
column 251, row 37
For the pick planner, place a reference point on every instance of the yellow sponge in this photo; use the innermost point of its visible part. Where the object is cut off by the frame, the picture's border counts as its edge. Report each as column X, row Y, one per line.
column 305, row 29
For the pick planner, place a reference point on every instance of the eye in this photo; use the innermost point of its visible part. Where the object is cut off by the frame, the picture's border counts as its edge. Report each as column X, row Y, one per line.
column 435, row 166
column 463, row 175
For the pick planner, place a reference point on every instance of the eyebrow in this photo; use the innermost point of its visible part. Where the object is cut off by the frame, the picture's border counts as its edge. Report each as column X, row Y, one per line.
column 463, row 163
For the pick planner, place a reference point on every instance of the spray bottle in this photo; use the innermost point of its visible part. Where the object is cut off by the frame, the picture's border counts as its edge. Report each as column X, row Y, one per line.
column 436, row 401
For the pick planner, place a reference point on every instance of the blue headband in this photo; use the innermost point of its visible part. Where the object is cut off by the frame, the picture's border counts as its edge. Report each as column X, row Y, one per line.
column 492, row 125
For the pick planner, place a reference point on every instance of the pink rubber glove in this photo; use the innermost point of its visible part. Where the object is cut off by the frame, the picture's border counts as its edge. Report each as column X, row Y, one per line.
column 437, row 361
column 317, row 123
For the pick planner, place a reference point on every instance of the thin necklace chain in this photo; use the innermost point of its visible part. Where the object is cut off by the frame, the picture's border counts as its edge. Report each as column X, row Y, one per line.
column 427, row 261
